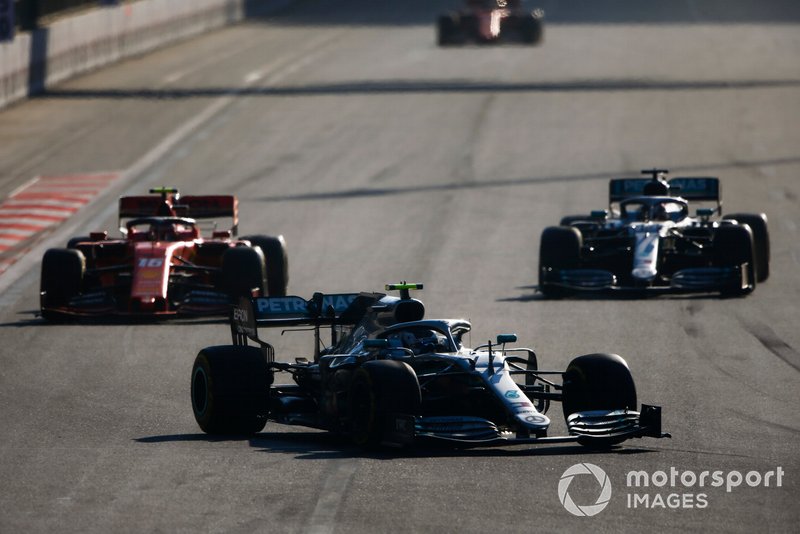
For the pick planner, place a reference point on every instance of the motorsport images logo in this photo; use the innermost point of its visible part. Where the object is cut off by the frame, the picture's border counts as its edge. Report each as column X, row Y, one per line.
column 664, row 489
column 590, row 509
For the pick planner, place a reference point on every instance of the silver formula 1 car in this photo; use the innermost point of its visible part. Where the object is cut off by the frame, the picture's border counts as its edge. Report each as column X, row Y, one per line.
column 389, row 376
column 647, row 241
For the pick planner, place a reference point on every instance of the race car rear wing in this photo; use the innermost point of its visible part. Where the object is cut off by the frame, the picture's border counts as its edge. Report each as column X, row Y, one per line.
column 193, row 207
column 698, row 188
column 322, row 310
column 622, row 188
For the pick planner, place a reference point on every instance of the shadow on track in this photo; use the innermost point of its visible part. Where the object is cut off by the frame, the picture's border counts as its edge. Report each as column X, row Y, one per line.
column 402, row 87
column 358, row 193
column 322, row 445
column 600, row 295
column 32, row 318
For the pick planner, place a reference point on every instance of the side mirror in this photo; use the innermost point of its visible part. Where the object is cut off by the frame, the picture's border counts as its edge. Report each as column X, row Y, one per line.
column 600, row 214
column 502, row 339
column 376, row 344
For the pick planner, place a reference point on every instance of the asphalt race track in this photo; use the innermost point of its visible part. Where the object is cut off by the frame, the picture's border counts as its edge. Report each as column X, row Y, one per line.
column 381, row 158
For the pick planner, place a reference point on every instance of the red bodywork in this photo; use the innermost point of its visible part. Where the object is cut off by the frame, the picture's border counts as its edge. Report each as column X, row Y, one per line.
column 161, row 265
column 491, row 21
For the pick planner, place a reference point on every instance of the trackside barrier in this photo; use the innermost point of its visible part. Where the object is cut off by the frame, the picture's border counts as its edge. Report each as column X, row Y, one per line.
column 75, row 44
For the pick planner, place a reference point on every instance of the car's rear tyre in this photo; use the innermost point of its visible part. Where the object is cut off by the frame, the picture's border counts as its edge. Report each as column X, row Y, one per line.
column 448, row 31
column 567, row 220
column 243, row 271
column 62, row 276
column 761, row 246
column 73, row 242
column 733, row 247
column 277, row 260
column 532, row 28
column 559, row 248
column 378, row 389
column 598, row 382
column 230, row 390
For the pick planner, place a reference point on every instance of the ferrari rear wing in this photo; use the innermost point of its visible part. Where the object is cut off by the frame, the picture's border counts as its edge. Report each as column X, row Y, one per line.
column 191, row 206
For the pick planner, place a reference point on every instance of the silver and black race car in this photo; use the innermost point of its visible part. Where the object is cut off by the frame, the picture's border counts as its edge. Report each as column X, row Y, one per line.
column 389, row 376
column 647, row 241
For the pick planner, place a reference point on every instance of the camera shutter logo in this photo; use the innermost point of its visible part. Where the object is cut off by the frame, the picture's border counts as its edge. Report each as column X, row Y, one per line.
column 566, row 480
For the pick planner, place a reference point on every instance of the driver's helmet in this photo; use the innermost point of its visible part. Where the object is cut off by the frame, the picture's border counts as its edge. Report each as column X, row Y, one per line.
column 660, row 212
column 408, row 339
column 165, row 209
column 636, row 212
column 430, row 341
column 163, row 232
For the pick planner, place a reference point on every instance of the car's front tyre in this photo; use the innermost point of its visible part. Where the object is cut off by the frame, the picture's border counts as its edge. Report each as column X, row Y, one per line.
column 559, row 248
column 62, row 276
column 277, row 262
column 243, row 271
column 598, row 382
column 761, row 245
column 734, row 248
column 378, row 389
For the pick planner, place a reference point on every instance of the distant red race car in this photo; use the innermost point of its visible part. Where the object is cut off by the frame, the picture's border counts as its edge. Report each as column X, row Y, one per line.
column 161, row 266
column 491, row 21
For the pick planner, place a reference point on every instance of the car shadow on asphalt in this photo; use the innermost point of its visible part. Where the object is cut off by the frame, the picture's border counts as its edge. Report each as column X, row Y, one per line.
column 33, row 318
column 532, row 294
column 321, row 445
column 362, row 88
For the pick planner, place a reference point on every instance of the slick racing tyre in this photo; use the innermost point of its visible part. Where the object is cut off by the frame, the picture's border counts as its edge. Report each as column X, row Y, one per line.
column 243, row 271
column 598, row 382
column 230, row 390
column 559, row 248
column 531, row 27
column 567, row 220
column 448, row 31
column 761, row 247
column 73, row 242
column 274, row 249
column 61, row 279
column 733, row 247
column 379, row 389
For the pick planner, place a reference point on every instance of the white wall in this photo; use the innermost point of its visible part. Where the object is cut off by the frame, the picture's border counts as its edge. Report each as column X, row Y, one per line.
column 76, row 44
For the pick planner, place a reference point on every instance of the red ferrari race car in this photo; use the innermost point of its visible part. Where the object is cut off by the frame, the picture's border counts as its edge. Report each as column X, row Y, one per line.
column 491, row 21
column 161, row 266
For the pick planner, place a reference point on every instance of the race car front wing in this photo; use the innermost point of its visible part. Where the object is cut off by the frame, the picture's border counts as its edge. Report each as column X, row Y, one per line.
column 685, row 280
column 594, row 428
